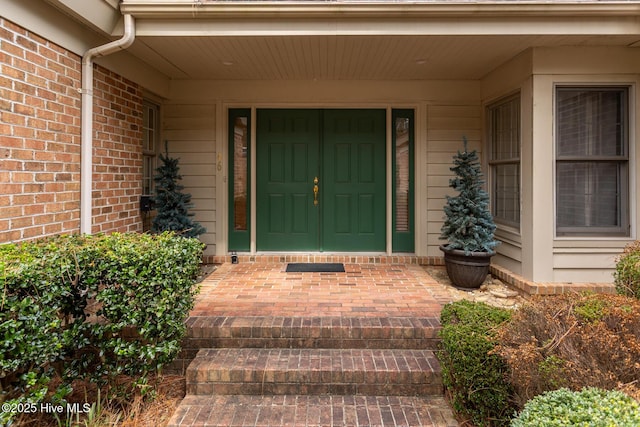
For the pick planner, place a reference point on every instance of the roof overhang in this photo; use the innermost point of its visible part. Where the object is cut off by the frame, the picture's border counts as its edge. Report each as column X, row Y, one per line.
column 201, row 17
column 355, row 9
column 100, row 15
column 343, row 39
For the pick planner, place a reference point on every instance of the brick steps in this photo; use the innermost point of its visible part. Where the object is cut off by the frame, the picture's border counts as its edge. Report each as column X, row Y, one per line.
column 313, row 332
column 285, row 411
column 314, row 371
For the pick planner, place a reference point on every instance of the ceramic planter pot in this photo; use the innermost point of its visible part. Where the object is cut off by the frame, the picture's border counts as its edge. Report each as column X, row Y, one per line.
column 466, row 271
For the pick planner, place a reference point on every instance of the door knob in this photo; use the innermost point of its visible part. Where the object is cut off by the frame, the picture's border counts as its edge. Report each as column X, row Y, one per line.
column 315, row 191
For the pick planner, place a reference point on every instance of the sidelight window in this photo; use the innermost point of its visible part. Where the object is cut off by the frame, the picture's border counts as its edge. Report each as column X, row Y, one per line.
column 403, row 234
column 239, row 179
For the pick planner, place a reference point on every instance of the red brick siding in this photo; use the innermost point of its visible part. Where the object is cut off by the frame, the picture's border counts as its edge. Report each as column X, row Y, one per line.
column 40, row 141
column 117, row 185
column 39, row 136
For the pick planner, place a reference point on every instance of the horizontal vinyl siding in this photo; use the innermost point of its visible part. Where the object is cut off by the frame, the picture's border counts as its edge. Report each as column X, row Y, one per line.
column 509, row 255
column 584, row 264
column 190, row 133
column 582, row 275
column 446, row 126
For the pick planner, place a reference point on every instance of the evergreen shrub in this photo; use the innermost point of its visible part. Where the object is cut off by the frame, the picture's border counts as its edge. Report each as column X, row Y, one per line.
column 172, row 204
column 627, row 274
column 90, row 307
column 475, row 377
column 590, row 407
column 468, row 224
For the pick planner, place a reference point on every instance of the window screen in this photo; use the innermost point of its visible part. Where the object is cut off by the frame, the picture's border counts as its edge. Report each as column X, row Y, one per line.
column 592, row 161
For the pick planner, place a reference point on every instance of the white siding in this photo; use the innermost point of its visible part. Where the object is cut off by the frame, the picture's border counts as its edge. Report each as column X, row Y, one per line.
column 515, row 77
column 586, row 259
column 588, row 264
column 446, row 127
column 452, row 107
column 189, row 130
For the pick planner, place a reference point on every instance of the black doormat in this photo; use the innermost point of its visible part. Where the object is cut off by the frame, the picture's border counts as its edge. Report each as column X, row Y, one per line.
column 312, row 267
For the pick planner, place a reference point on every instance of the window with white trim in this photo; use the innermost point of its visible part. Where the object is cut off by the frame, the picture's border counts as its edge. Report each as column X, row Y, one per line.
column 504, row 160
column 592, row 161
column 150, row 135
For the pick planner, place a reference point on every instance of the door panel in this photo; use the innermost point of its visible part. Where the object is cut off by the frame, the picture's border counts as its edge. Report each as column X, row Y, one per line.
column 354, row 180
column 341, row 210
column 366, row 205
column 287, row 162
column 342, row 160
column 276, row 213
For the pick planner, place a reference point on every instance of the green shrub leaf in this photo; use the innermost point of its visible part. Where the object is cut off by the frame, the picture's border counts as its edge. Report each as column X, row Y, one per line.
column 474, row 376
column 91, row 307
column 591, row 407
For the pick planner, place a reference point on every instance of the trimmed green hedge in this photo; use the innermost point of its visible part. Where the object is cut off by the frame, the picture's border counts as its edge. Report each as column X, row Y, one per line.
column 474, row 377
column 627, row 274
column 91, row 307
column 591, row 407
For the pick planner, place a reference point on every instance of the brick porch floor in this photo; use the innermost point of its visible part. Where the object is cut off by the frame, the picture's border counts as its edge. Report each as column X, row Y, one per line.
column 265, row 289
column 315, row 349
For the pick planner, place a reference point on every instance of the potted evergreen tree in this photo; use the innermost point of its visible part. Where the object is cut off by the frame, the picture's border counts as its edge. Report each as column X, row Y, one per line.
column 468, row 226
column 171, row 203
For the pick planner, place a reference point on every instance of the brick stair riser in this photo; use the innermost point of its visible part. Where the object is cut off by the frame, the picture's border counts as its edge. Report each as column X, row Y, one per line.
column 195, row 344
column 318, row 333
column 312, row 376
column 327, row 333
column 306, row 371
column 286, row 332
column 202, row 389
column 331, row 330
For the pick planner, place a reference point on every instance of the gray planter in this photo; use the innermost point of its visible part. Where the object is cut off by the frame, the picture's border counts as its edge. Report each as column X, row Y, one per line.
column 466, row 271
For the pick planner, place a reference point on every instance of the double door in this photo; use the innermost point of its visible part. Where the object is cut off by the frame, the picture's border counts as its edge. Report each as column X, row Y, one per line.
column 320, row 180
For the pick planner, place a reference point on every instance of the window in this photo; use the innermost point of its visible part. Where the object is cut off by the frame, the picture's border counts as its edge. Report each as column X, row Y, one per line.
column 239, row 179
column 403, row 141
column 592, row 161
column 150, row 131
column 504, row 160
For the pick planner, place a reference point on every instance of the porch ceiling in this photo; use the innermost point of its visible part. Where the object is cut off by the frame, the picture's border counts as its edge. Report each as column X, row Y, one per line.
column 345, row 57
column 364, row 39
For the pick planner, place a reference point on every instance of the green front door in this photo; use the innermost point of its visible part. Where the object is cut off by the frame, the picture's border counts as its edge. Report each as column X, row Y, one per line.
column 354, row 180
column 287, row 162
column 345, row 151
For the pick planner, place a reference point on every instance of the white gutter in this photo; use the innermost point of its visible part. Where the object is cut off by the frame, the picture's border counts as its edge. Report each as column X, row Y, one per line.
column 358, row 9
column 86, row 137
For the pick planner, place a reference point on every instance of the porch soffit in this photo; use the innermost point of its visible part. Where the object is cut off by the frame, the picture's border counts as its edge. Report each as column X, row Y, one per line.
column 340, row 40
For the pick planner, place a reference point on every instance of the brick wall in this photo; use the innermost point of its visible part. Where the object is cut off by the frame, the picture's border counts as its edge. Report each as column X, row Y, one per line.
column 40, row 141
column 117, row 146
column 39, row 136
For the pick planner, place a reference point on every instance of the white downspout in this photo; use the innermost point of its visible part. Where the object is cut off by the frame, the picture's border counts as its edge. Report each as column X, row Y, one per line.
column 86, row 136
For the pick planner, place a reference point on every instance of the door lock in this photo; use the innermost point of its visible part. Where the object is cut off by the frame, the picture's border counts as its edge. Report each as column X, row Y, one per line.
column 315, row 191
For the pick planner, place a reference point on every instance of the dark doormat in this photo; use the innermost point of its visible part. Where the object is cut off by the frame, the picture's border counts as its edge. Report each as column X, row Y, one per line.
column 312, row 267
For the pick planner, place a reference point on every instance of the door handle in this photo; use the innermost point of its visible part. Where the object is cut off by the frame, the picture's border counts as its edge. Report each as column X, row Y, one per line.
column 315, row 191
